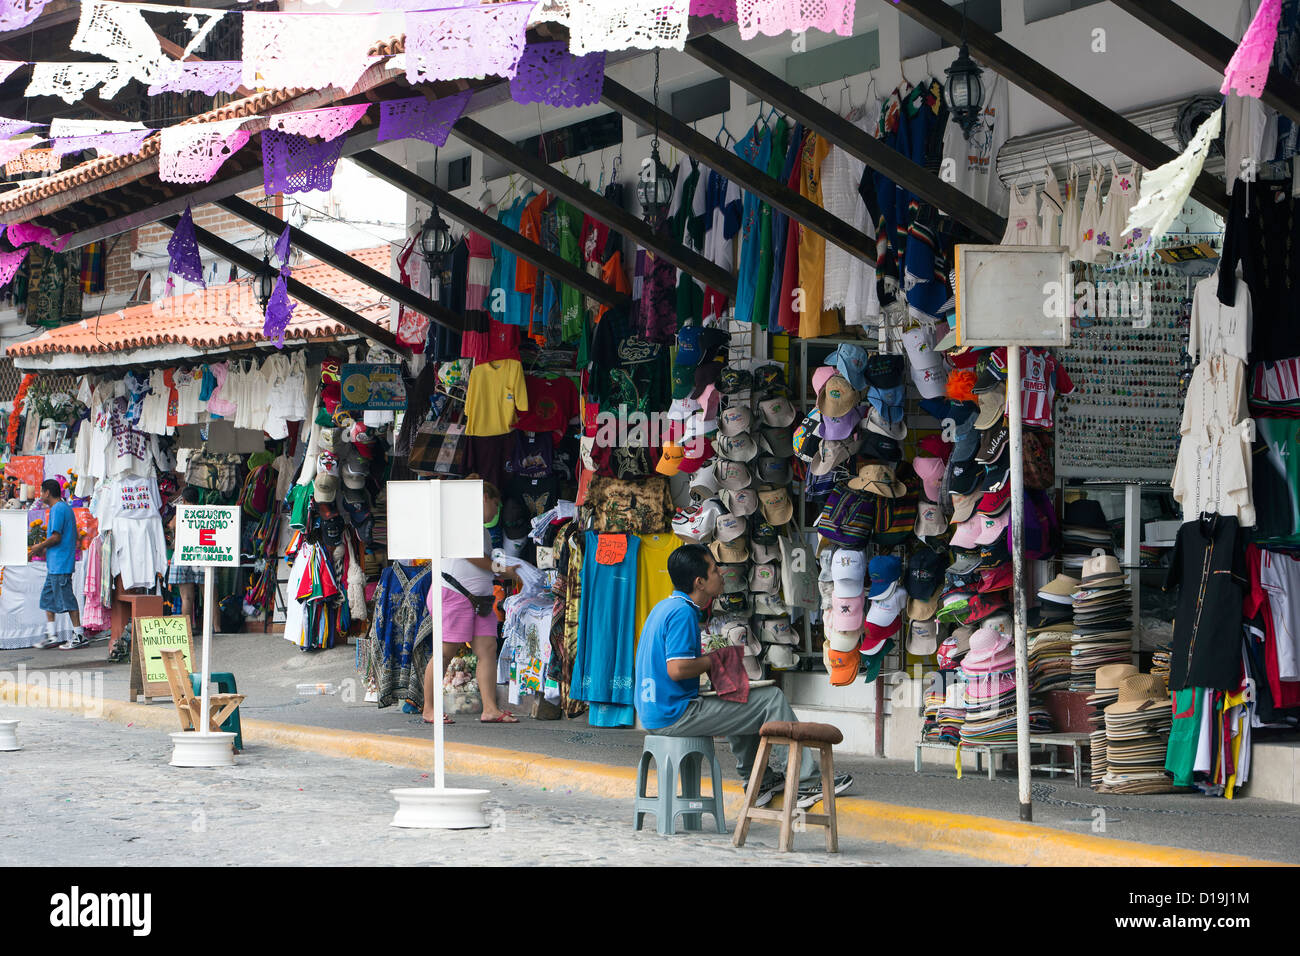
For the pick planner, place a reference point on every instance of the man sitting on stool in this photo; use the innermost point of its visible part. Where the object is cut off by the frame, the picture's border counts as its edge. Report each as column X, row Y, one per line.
column 668, row 669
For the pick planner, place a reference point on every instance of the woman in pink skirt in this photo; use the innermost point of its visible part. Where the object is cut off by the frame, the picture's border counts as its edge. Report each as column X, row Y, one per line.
column 461, row 625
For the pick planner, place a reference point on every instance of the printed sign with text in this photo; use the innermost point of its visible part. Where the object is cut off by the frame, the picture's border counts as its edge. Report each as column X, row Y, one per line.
column 207, row 536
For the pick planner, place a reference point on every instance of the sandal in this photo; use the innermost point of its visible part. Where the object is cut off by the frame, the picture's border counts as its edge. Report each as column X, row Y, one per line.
column 446, row 719
column 505, row 718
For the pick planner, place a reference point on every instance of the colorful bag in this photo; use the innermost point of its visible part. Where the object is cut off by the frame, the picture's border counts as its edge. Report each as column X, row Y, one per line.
column 1038, row 453
column 847, row 518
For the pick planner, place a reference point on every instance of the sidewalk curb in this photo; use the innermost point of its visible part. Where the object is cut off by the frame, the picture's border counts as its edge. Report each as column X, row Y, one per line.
column 983, row 838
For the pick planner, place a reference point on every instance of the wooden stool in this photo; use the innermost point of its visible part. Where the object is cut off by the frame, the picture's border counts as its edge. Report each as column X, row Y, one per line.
column 795, row 735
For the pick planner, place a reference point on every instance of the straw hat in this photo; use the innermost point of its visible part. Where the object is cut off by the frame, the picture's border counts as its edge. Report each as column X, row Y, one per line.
column 1139, row 692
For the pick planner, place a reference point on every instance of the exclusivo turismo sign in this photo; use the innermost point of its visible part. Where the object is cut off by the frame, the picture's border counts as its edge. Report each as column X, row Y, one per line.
column 207, row 536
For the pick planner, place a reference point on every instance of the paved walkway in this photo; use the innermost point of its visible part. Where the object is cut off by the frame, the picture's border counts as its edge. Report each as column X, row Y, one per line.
column 98, row 793
column 268, row 669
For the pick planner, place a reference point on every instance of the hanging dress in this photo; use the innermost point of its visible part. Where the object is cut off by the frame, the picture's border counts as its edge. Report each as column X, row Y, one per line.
column 1070, row 217
column 1022, row 221
column 1121, row 199
column 604, row 665
column 1050, row 209
column 1090, row 217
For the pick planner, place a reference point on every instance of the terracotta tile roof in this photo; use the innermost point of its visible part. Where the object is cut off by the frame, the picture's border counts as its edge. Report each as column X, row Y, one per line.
column 225, row 316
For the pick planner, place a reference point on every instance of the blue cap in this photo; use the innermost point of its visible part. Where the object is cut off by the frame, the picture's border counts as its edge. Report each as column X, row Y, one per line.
column 688, row 345
column 885, row 571
column 944, row 408
column 968, row 442
column 888, row 402
column 851, row 362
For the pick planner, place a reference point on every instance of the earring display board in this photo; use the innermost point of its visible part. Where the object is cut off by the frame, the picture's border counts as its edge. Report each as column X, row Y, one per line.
column 1127, row 362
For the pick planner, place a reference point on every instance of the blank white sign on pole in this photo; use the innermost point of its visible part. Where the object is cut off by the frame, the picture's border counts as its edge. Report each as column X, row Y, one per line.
column 13, row 538
column 411, row 526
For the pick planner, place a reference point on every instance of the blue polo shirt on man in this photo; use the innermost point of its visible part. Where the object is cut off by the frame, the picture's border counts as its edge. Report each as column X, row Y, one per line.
column 671, row 633
column 62, row 558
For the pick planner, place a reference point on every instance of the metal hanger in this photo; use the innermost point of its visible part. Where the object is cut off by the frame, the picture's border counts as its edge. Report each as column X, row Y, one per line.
column 845, row 89
column 582, row 165
column 724, row 135
column 485, row 201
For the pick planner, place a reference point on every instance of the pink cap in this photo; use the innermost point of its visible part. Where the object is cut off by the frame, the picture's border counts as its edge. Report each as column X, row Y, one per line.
column 930, row 471
column 821, row 376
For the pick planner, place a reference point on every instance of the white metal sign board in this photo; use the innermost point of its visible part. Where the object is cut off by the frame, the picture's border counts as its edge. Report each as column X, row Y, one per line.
column 207, row 536
column 13, row 538
column 1013, row 295
column 435, row 519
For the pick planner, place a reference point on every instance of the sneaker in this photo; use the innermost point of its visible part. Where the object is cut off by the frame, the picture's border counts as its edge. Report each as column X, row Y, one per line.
column 49, row 641
column 810, row 795
column 72, row 643
column 773, row 783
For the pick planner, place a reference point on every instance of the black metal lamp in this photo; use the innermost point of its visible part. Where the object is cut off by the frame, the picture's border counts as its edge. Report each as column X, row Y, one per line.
column 654, row 188
column 435, row 243
column 965, row 86
column 266, row 277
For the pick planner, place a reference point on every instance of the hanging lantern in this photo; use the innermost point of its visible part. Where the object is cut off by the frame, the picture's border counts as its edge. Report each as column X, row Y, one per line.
column 266, row 277
column 965, row 91
column 435, row 244
column 654, row 188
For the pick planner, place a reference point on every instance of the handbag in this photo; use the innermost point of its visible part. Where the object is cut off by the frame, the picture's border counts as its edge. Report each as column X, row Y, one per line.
column 213, row 472
column 482, row 604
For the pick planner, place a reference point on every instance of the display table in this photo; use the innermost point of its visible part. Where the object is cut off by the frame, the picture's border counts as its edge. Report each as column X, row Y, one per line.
column 22, row 622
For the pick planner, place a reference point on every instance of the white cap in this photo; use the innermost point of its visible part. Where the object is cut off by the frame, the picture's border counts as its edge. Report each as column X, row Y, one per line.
column 887, row 609
column 849, row 572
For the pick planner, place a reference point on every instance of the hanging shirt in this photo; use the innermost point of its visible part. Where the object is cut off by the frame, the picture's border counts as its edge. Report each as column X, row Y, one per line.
column 755, row 149
column 652, row 581
column 509, row 306
column 1218, row 328
column 723, row 208
column 1209, row 571
column 973, row 161
column 841, row 174
column 496, row 391
column 813, row 321
column 552, row 404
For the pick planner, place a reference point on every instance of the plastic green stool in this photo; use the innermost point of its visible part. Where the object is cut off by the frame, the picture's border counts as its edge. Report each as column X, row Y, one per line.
column 225, row 682
column 678, row 759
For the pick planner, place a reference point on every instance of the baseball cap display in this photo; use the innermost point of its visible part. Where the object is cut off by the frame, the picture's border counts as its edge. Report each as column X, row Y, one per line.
column 852, row 362
column 964, row 477
column 885, row 570
column 729, row 527
column 762, row 532
column 735, row 419
column 847, row 613
column 740, row 502
column 696, row 451
column 778, row 441
column 777, row 630
column 929, row 373
column 922, row 638
column 696, row 524
column 764, row 579
column 729, row 552
column 769, row 605
column 994, row 444
column 776, row 412
column 704, row 483
column 670, row 459
column 732, row 475
column 887, row 609
column 740, row 447
column 930, row 522
column 931, row 472
column 877, row 447
column 829, row 454
column 840, row 426
column 781, row 657
column 837, row 397
column 777, row 506
column 889, row 428
column 993, row 406
column 733, row 603
column 820, row 377
column 733, row 578
column 848, row 572
column 733, row 380
column 773, row 471
column 994, row 502
column 841, row 665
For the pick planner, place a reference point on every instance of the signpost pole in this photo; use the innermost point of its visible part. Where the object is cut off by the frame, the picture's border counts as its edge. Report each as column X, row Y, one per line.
column 1018, row 581
column 435, row 589
column 208, row 589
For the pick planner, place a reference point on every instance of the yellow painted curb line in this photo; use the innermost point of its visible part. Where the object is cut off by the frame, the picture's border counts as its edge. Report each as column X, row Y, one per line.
column 984, row 838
